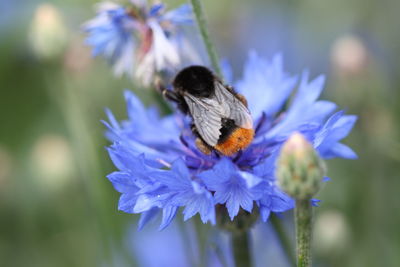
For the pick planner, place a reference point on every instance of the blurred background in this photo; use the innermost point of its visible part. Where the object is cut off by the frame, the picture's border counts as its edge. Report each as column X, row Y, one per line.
column 58, row 209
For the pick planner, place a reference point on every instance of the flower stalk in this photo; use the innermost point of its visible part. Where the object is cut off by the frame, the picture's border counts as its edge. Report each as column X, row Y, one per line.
column 241, row 248
column 239, row 230
column 202, row 24
column 303, row 222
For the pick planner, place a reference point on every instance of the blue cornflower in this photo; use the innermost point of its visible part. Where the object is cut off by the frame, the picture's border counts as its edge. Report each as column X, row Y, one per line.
column 160, row 169
column 140, row 40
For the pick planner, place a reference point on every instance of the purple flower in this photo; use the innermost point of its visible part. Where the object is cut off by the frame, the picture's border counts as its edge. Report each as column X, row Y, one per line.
column 139, row 40
column 196, row 182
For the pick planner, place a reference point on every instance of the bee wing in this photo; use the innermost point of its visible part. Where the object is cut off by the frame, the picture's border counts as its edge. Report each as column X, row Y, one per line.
column 232, row 107
column 206, row 113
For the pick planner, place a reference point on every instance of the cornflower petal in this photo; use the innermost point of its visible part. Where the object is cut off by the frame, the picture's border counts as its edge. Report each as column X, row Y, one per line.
column 156, row 9
column 181, row 15
column 188, row 193
column 234, row 188
column 265, row 85
column 305, row 108
column 165, row 52
column 327, row 138
column 146, row 217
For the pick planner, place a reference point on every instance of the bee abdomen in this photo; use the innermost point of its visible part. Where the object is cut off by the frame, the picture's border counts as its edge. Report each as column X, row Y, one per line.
column 237, row 139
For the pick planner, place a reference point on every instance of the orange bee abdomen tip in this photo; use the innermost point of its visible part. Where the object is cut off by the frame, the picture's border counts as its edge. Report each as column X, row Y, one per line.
column 239, row 139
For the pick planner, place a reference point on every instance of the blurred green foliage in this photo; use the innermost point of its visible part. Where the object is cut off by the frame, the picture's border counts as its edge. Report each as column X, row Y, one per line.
column 58, row 209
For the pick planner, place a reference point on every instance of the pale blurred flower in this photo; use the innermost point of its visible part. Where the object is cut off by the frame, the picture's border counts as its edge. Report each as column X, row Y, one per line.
column 52, row 159
column 349, row 55
column 331, row 232
column 48, row 34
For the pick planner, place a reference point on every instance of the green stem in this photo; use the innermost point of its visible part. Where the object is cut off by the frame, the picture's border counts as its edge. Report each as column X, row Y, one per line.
column 283, row 238
column 303, row 220
column 241, row 248
column 202, row 24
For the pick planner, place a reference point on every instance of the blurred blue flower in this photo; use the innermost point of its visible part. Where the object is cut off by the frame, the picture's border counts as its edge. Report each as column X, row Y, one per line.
column 139, row 40
column 109, row 33
column 178, row 245
column 161, row 170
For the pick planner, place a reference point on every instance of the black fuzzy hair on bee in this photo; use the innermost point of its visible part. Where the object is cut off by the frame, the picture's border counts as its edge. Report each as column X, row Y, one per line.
column 196, row 80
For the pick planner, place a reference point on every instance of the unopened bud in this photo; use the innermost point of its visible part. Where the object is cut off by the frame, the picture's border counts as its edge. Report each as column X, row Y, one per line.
column 300, row 170
column 48, row 33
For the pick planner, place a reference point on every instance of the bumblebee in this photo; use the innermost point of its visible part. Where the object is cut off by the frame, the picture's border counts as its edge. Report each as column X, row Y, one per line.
column 221, row 120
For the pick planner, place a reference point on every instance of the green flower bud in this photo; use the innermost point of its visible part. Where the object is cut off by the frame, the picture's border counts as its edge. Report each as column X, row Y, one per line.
column 299, row 170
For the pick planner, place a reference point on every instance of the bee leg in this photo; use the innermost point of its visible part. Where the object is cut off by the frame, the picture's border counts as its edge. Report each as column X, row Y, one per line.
column 242, row 99
column 202, row 146
column 194, row 129
column 239, row 96
column 169, row 94
column 172, row 96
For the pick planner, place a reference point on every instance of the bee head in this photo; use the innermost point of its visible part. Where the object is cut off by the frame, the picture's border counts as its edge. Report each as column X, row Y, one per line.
column 196, row 80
